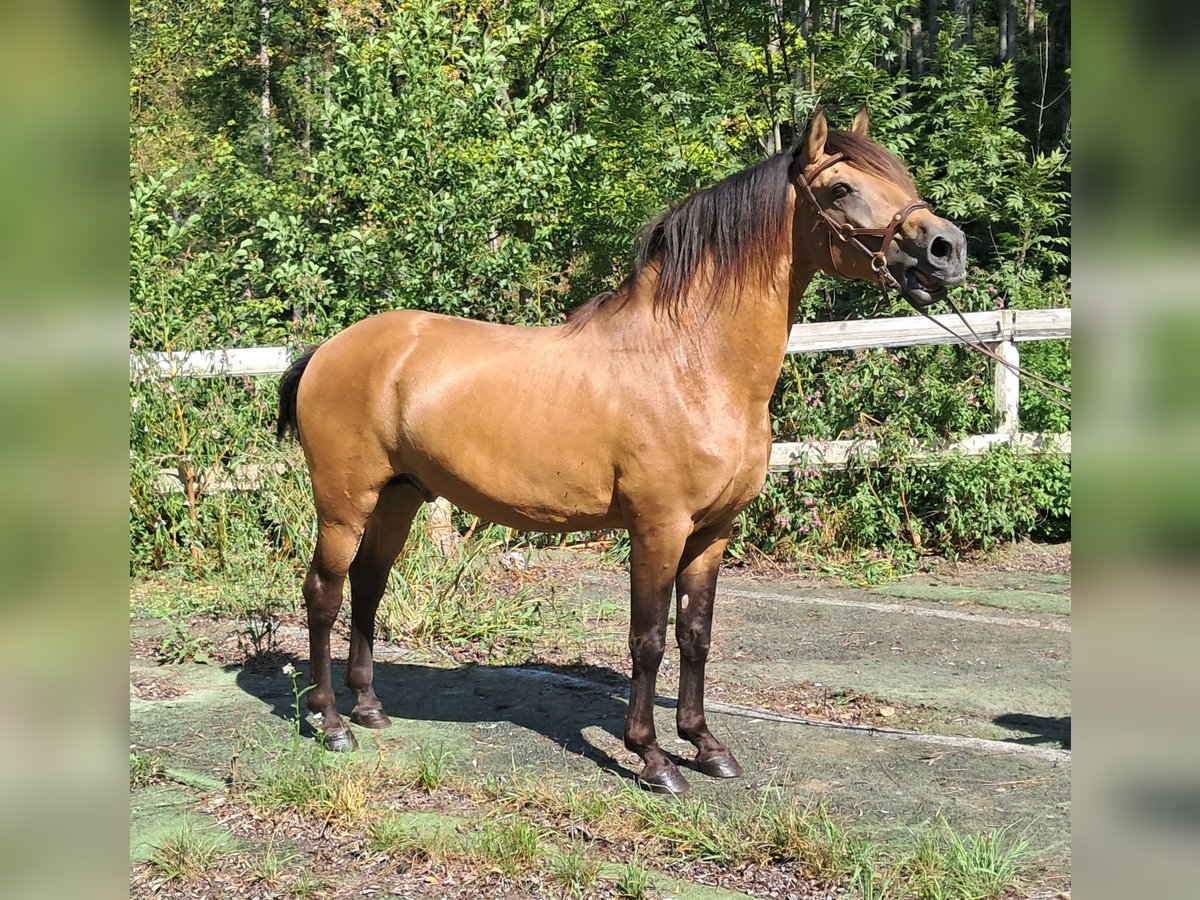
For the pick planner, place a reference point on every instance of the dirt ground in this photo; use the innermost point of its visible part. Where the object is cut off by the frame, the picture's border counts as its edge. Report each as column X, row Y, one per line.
column 943, row 696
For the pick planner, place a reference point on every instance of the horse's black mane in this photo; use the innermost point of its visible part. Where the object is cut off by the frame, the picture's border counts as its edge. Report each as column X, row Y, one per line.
column 739, row 225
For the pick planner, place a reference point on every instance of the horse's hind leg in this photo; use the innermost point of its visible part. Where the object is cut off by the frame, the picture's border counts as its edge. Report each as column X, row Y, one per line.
column 336, row 543
column 342, row 511
column 387, row 530
column 696, row 587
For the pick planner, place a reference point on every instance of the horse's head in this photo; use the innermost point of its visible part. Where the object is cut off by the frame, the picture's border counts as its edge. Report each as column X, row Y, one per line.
column 859, row 215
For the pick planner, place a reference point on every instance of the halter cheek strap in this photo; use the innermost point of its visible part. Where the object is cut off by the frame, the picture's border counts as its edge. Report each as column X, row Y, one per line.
column 847, row 234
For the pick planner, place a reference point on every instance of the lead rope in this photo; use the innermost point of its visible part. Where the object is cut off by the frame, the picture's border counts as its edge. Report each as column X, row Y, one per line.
column 979, row 346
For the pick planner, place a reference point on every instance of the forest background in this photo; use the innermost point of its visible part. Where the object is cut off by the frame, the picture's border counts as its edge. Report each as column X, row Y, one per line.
column 297, row 166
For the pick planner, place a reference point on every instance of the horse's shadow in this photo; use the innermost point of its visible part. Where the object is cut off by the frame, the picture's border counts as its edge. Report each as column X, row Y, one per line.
column 1041, row 729
column 478, row 694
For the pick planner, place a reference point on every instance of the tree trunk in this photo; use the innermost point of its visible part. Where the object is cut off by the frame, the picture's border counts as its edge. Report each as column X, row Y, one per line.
column 918, row 44
column 1010, row 30
column 1030, row 18
column 963, row 9
column 932, row 29
column 800, row 76
column 306, row 140
column 264, row 60
column 1066, row 64
column 1002, row 30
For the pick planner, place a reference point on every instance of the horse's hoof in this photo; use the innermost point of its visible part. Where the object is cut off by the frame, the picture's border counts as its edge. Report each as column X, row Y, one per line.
column 719, row 766
column 372, row 717
column 668, row 781
column 339, row 741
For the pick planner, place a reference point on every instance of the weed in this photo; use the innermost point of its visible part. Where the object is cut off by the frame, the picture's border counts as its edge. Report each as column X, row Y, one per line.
column 393, row 836
column 431, row 769
column 145, row 768
column 575, row 871
column 187, row 853
column 511, row 844
column 634, row 880
column 297, row 695
column 269, row 867
column 181, row 645
column 259, row 595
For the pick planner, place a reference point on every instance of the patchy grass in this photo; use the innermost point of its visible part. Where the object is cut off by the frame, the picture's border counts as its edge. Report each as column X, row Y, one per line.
column 188, row 853
column 634, row 881
column 512, row 844
column 395, row 836
column 431, row 769
column 574, row 871
column 944, row 865
column 271, row 865
column 299, row 775
column 564, row 834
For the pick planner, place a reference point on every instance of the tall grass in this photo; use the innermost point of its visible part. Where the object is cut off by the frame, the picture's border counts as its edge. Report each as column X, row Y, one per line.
column 464, row 596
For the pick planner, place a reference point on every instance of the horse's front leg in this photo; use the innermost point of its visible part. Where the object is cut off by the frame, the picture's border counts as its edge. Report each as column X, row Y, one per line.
column 653, row 562
column 696, row 588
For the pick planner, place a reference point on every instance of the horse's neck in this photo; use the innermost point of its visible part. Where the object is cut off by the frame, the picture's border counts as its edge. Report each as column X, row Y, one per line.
column 735, row 344
column 751, row 334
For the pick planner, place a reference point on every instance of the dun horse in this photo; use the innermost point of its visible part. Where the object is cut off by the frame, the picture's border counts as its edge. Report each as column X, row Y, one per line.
column 646, row 410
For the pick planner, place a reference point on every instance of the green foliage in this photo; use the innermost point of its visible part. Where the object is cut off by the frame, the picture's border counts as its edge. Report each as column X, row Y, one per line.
column 900, row 509
column 182, row 646
column 145, row 768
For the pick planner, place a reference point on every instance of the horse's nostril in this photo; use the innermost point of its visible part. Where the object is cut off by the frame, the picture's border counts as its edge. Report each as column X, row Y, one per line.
column 940, row 248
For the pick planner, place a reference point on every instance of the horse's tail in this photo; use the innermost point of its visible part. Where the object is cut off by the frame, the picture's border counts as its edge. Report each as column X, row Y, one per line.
column 288, row 388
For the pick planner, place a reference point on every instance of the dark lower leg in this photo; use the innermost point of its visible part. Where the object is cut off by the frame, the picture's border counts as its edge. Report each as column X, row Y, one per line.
column 323, row 599
column 360, row 670
column 696, row 588
column 652, row 562
column 384, row 538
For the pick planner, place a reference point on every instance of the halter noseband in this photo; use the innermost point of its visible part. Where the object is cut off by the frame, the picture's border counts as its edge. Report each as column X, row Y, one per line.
column 849, row 235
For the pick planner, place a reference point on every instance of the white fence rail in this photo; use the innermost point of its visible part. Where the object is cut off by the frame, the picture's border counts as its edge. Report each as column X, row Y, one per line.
column 1001, row 330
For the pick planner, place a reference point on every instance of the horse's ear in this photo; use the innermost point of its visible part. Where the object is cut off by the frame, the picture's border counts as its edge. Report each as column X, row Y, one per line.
column 813, row 144
column 862, row 122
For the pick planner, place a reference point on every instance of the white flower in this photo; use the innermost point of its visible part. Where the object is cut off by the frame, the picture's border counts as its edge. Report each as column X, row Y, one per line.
column 289, row 669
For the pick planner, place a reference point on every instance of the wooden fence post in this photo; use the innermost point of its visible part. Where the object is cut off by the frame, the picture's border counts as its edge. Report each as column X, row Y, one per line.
column 440, row 528
column 1007, row 381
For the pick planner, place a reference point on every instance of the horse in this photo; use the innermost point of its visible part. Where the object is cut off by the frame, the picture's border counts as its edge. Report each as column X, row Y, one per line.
column 646, row 410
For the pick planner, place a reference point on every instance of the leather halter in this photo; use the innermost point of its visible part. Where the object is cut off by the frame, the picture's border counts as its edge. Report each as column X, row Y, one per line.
column 847, row 234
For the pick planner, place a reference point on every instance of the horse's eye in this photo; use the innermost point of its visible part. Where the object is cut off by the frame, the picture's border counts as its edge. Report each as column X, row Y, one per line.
column 840, row 190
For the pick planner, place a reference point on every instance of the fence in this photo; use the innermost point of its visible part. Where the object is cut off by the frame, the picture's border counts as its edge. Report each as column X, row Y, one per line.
column 1002, row 330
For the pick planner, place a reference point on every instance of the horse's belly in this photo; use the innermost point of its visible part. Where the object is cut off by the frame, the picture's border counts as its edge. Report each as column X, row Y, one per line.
column 524, row 479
